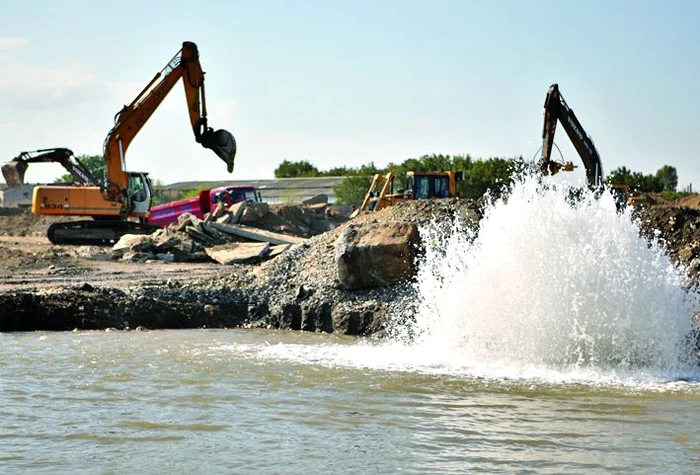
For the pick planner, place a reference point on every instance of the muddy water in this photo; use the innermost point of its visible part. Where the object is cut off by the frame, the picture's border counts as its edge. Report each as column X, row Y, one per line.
column 557, row 341
column 233, row 401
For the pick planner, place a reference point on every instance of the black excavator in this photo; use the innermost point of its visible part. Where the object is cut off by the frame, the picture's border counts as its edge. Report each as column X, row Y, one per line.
column 14, row 170
column 557, row 110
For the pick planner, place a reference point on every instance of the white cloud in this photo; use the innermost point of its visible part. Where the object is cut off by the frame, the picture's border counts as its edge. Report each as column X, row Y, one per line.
column 30, row 87
column 12, row 42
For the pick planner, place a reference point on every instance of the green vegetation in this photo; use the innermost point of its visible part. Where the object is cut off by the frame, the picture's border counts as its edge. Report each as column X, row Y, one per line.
column 187, row 194
column 674, row 195
column 94, row 164
column 288, row 169
column 479, row 175
column 352, row 190
column 665, row 179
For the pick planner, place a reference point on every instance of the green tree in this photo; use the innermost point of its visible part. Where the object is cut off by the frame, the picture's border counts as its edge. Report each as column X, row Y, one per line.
column 94, row 164
column 484, row 175
column 289, row 169
column 668, row 177
column 620, row 176
column 636, row 181
column 352, row 190
column 157, row 194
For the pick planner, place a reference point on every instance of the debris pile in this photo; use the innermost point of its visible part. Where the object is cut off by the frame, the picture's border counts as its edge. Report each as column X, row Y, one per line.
column 244, row 232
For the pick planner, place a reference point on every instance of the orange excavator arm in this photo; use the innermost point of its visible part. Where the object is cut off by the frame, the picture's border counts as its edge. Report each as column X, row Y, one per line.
column 129, row 121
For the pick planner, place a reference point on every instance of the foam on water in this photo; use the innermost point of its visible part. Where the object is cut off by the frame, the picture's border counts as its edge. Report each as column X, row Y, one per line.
column 547, row 285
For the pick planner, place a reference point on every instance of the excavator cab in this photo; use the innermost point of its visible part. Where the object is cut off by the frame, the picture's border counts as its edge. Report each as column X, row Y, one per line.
column 423, row 186
column 139, row 192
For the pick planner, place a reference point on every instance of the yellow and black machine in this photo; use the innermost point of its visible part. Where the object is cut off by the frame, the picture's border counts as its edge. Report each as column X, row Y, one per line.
column 557, row 110
column 418, row 186
column 120, row 203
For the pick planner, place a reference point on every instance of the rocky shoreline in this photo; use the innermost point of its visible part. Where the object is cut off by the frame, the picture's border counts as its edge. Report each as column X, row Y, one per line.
column 297, row 290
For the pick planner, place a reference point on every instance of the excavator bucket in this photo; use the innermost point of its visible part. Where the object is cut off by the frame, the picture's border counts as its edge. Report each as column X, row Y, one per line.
column 222, row 143
column 13, row 171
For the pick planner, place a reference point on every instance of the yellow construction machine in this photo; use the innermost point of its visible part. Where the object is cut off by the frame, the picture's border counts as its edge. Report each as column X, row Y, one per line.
column 418, row 186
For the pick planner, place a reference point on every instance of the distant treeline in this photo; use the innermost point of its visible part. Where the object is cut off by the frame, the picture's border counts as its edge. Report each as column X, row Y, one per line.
column 480, row 175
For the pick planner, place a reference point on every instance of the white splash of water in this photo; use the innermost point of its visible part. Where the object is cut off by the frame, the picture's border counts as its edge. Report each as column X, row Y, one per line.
column 550, row 285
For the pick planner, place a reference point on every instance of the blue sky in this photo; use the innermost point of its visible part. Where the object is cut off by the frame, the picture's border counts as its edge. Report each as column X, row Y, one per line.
column 346, row 83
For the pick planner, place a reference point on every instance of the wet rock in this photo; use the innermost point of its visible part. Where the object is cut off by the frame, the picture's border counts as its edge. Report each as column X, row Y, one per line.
column 286, row 315
column 317, row 316
column 362, row 319
column 376, row 254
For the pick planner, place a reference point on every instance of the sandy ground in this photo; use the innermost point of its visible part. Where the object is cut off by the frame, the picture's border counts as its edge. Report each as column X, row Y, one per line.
column 33, row 262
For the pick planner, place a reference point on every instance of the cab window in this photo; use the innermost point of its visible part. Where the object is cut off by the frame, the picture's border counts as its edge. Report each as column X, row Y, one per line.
column 422, row 188
column 137, row 188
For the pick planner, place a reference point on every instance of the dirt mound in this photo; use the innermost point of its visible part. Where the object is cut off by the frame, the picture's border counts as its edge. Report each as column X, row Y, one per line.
column 656, row 199
column 21, row 222
column 690, row 201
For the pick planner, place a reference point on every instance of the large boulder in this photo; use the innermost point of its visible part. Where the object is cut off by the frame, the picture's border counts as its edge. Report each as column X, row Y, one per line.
column 376, row 254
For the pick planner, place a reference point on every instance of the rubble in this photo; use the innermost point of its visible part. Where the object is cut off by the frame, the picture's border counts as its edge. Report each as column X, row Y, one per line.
column 238, row 252
column 221, row 236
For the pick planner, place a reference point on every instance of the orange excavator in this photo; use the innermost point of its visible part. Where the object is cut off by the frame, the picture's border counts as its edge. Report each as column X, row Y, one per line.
column 120, row 203
column 557, row 110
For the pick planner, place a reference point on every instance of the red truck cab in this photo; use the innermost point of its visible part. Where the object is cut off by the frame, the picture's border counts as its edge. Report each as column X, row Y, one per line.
column 205, row 202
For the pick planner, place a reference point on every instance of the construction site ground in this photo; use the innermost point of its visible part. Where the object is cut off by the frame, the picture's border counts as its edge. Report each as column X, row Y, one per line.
column 59, row 280
column 30, row 261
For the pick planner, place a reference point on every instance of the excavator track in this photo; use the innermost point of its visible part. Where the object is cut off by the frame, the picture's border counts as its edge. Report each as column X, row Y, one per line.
column 95, row 233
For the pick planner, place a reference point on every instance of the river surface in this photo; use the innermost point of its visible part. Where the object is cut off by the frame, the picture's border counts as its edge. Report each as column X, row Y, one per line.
column 554, row 340
column 236, row 401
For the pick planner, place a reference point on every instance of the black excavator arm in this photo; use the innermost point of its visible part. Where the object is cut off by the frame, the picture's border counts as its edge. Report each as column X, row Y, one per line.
column 556, row 109
column 14, row 170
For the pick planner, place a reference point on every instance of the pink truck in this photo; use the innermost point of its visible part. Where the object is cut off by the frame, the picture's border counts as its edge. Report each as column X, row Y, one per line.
column 204, row 202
